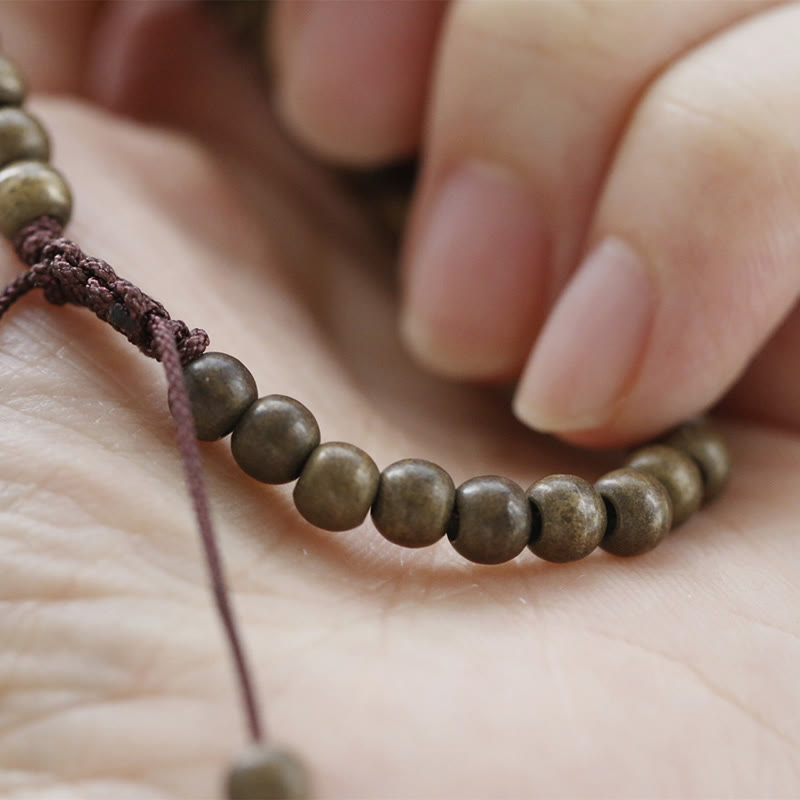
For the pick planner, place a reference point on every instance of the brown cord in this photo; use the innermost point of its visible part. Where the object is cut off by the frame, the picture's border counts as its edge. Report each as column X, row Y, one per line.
column 181, row 408
column 68, row 275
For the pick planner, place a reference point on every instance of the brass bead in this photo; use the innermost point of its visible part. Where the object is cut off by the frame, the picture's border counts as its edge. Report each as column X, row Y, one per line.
column 265, row 772
column 492, row 520
column 29, row 190
column 274, row 438
column 569, row 518
column 12, row 84
column 415, row 500
column 677, row 472
column 21, row 137
column 710, row 452
column 639, row 512
column 337, row 486
column 220, row 389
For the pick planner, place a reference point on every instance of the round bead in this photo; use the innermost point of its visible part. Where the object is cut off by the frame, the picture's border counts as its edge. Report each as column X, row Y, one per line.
column 492, row 520
column 29, row 190
column 274, row 438
column 264, row 772
column 337, row 486
column 12, row 84
column 677, row 472
column 21, row 137
column 710, row 452
column 639, row 512
column 569, row 518
column 415, row 500
column 221, row 389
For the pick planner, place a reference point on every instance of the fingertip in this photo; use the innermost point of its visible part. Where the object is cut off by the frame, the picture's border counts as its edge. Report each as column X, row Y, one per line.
column 474, row 274
column 587, row 356
column 352, row 77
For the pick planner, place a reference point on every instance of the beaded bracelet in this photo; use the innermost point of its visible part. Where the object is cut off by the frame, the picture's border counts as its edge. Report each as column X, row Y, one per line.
column 414, row 503
column 276, row 440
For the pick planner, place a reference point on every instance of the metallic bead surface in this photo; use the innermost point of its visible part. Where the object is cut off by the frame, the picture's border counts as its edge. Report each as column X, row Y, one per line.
column 639, row 512
column 492, row 520
column 21, row 137
column 709, row 450
column 29, row 190
column 337, row 486
column 274, row 438
column 678, row 473
column 569, row 518
column 12, row 84
column 220, row 389
column 415, row 500
column 265, row 772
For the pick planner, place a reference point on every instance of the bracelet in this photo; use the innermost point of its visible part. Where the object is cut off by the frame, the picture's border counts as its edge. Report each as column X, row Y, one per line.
column 276, row 440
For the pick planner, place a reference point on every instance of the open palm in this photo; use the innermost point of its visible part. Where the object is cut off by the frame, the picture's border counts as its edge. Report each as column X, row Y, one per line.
column 398, row 674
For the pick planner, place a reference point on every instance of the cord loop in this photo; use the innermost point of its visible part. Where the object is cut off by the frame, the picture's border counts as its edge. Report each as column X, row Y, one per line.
column 67, row 275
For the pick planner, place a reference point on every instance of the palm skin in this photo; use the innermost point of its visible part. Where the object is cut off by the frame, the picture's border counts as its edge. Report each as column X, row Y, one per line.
column 398, row 674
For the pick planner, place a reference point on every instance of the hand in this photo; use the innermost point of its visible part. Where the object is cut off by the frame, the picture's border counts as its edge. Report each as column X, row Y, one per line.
column 396, row 673
column 608, row 204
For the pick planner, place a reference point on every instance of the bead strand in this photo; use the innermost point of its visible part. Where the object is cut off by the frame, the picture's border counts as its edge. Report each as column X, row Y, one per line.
column 30, row 187
column 276, row 440
column 31, row 190
column 414, row 503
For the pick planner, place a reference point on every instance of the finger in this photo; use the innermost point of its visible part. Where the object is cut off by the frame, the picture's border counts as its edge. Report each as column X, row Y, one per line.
column 352, row 77
column 173, row 64
column 769, row 391
column 50, row 40
column 528, row 105
column 695, row 246
column 144, row 55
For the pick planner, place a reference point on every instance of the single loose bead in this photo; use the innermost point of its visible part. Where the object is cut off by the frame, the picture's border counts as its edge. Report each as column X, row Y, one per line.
column 29, row 190
column 220, row 389
column 264, row 772
column 21, row 137
column 415, row 500
column 492, row 520
column 337, row 486
column 569, row 518
column 274, row 438
column 710, row 452
column 12, row 84
column 677, row 472
column 639, row 511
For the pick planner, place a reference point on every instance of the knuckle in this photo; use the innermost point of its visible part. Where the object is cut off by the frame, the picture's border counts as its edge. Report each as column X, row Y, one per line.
column 503, row 62
column 580, row 35
column 725, row 135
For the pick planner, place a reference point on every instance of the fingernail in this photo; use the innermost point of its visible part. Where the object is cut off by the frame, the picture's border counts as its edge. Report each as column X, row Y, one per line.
column 588, row 353
column 473, row 279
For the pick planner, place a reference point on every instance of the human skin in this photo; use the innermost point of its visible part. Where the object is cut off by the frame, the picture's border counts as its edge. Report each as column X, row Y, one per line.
column 633, row 166
column 396, row 674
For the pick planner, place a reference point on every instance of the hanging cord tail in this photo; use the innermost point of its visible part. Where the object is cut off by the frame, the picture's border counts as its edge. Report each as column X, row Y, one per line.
column 66, row 274
column 167, row 350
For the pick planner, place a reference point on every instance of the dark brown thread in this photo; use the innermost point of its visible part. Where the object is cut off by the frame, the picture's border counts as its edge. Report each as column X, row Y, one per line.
column 67, row 275
column 180, row 406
